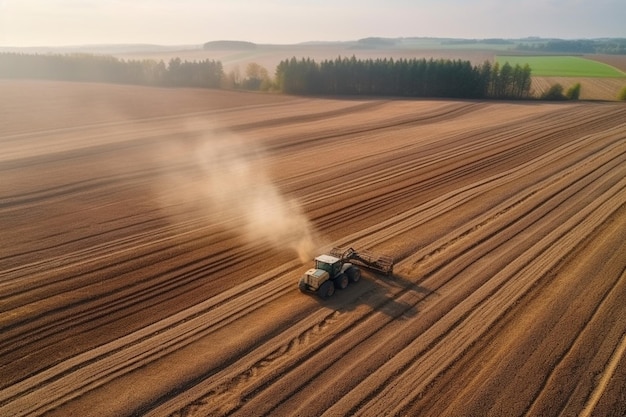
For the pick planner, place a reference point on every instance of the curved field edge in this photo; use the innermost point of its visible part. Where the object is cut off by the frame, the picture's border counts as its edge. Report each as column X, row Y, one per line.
column 563, row 66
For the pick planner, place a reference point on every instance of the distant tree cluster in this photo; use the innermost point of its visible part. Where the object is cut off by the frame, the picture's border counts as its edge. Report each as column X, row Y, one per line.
column 375, row 42
column 616, row 46
column 98, row 68
column 489, row 41
column 408, row 78
column 205, row 73
column 255, row 78
column 229, row 45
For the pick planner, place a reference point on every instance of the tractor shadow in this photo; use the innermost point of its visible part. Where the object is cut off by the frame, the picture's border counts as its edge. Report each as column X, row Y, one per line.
column 395, row 295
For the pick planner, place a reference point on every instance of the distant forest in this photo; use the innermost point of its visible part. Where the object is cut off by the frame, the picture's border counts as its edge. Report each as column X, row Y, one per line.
column 408, row 78
column 342, row 76
column 108, row 69
column 582, row 46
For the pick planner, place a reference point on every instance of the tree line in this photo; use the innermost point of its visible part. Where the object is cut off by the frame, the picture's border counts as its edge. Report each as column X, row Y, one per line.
column 614, row 46
column 100, row 68
column 341, row 76
column 403, row 77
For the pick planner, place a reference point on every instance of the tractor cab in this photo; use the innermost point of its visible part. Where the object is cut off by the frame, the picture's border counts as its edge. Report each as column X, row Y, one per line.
column 328, row 263
column 337, row 269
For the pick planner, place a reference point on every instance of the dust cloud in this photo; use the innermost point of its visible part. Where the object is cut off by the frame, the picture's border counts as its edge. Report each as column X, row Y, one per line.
column 220, row 174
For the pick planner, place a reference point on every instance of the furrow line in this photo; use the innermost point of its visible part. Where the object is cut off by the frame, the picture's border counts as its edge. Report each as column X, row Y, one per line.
column 405, row 220
column 484, row 141
column 99, row 251
column 409, row 191
column 419, row 370
column 213, row 401
column 560, row 368
column 68, row 379
column 398, row 300
column 91, row 312
column 595, row 396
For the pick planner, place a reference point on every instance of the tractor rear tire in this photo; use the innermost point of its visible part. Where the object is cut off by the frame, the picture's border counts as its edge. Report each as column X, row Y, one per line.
column 341, row 281
column 354, row 274
column 327, row 289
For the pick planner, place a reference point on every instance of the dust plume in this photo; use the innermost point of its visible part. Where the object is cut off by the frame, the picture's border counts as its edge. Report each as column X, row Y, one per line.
column 227, row 176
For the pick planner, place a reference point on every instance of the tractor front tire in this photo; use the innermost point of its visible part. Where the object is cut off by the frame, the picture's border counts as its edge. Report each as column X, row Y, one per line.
column 327, row 289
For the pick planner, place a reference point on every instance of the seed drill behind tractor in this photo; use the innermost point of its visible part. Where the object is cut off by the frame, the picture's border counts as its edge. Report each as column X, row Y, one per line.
column 340, row 267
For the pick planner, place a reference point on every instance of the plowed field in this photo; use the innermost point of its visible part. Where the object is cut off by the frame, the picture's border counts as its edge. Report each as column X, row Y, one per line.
column 590, row 88
column 152, row 241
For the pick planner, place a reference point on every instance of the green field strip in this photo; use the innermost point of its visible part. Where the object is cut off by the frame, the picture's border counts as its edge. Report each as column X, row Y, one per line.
column 562, row 66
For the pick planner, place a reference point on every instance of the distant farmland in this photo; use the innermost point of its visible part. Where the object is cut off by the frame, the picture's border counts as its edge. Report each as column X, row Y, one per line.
column 563, row 66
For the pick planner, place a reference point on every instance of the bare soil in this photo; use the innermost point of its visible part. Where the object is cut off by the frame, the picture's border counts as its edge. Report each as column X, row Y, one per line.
column 600, row 89
column 617, row 61
column 128, row 288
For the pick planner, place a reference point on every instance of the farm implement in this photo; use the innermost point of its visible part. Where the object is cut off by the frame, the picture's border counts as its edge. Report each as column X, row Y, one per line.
column 340, row 267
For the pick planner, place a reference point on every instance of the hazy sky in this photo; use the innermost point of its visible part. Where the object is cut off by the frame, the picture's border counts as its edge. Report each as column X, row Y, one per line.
column 172, row 22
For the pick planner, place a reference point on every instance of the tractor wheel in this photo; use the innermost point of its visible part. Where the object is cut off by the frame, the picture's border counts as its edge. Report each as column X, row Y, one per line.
column 354, row 274
column 341, row 281
column 302, row 286
column 326, row 290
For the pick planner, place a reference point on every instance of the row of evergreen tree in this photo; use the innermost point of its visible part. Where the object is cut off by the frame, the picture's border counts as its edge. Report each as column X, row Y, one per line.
column 98, row 68
column 403, row 77
column 342, row 76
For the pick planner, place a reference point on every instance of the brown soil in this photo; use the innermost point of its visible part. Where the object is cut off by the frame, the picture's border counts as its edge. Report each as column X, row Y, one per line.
column 617, row 61
column 127, row 289
column 605, row 89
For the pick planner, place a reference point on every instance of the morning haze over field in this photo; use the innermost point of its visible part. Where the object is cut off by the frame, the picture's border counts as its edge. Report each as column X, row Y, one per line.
column 168, row 22
column 307, row 208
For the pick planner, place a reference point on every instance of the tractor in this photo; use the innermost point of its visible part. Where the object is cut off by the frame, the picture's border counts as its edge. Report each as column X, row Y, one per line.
column 340, row 267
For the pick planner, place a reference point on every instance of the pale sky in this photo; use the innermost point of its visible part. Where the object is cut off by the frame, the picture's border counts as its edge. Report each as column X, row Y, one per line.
column 188, row 22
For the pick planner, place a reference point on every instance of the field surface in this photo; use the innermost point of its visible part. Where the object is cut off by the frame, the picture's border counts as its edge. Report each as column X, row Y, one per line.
column 601, row 77
column 152, row 241
column 601, row 89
